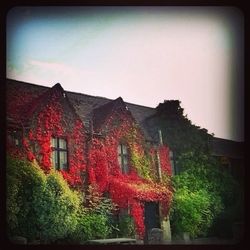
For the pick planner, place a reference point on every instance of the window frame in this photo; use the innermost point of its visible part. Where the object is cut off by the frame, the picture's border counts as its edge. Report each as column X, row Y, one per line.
column 124, row 166
column 58, row 150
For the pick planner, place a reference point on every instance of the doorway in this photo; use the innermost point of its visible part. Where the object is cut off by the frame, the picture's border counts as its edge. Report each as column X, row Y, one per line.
column 152, row 218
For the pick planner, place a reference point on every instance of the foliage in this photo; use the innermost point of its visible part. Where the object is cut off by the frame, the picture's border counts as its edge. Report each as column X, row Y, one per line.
column 201, row 170
column 33, row 204
column 178, row 132
column 126, row 226
column 233, row 213
column 200, row 174
column 103, row 171
column 140, row 184
column 49, row 122
column 56, row 208
column 193, row 212
column 24, row 181
column 98, row 203
column 93, row 218
column 90, row 226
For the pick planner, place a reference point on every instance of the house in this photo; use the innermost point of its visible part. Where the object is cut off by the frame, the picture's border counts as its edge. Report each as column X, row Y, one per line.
column 94, row 141
column 231, row 156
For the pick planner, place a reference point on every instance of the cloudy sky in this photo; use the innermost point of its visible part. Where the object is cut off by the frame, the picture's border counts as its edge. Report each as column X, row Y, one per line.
column 144, row 54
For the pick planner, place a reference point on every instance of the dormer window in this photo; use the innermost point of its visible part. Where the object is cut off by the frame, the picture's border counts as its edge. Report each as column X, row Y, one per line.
column 59, row 153
column 123, row 158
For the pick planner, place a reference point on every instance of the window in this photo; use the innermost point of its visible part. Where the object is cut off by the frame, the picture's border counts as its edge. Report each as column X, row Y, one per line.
column 59, row 153
column 123, row 158
column 14, row 138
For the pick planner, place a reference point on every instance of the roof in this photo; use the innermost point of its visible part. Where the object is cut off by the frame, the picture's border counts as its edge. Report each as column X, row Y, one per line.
column 22, row 96
column 228, row 148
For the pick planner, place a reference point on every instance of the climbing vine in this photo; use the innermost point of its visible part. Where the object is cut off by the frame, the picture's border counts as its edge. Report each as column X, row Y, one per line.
column 77, row 163
column 100, row 160
column 139, row 185
column 50, row 123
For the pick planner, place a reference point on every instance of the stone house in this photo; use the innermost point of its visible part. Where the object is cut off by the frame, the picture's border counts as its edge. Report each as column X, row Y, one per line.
column 94, row 141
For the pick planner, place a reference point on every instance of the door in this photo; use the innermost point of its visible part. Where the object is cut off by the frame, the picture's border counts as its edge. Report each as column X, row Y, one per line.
column 152, row 218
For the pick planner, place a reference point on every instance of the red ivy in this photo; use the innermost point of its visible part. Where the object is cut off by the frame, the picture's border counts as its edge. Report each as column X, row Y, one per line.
column 137, row 211
column 76, row 158
column 131, row 189
column 164, row 159
column 103, row 169
column 98, row 172
column 47, row 124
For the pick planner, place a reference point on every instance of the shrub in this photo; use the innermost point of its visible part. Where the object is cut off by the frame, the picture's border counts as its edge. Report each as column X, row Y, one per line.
column 193, row 212
column 39, row 206
column 126, row 226
column 93, row 220
column 90, row 226
column 202, row 173
column 44, row 207
column 25, row 180
column 57, row 209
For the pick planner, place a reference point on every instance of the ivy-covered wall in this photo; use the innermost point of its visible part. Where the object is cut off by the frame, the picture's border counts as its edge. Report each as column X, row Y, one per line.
column 96, row 157
column 141, row 183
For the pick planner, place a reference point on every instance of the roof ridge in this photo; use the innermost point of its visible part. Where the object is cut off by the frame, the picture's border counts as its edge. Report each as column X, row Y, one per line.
column 77, row 93
column 29, row 83
column 82, row 94
column 139, row 105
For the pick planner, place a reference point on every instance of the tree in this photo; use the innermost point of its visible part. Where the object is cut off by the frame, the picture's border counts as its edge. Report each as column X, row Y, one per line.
column 204, row 193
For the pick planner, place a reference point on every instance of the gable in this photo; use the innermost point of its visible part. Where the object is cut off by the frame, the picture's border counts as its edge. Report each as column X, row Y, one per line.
column 21, row 96
column 103, row 113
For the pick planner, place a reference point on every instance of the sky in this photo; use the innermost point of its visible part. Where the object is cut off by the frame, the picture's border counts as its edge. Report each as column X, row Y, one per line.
column 144, row 54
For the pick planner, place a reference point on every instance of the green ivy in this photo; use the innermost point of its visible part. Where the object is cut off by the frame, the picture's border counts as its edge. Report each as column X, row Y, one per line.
column 126, row 226
column 193, row 212
column 199, row 176
column 90, row 226
column 142, row 164
column 178, row 131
